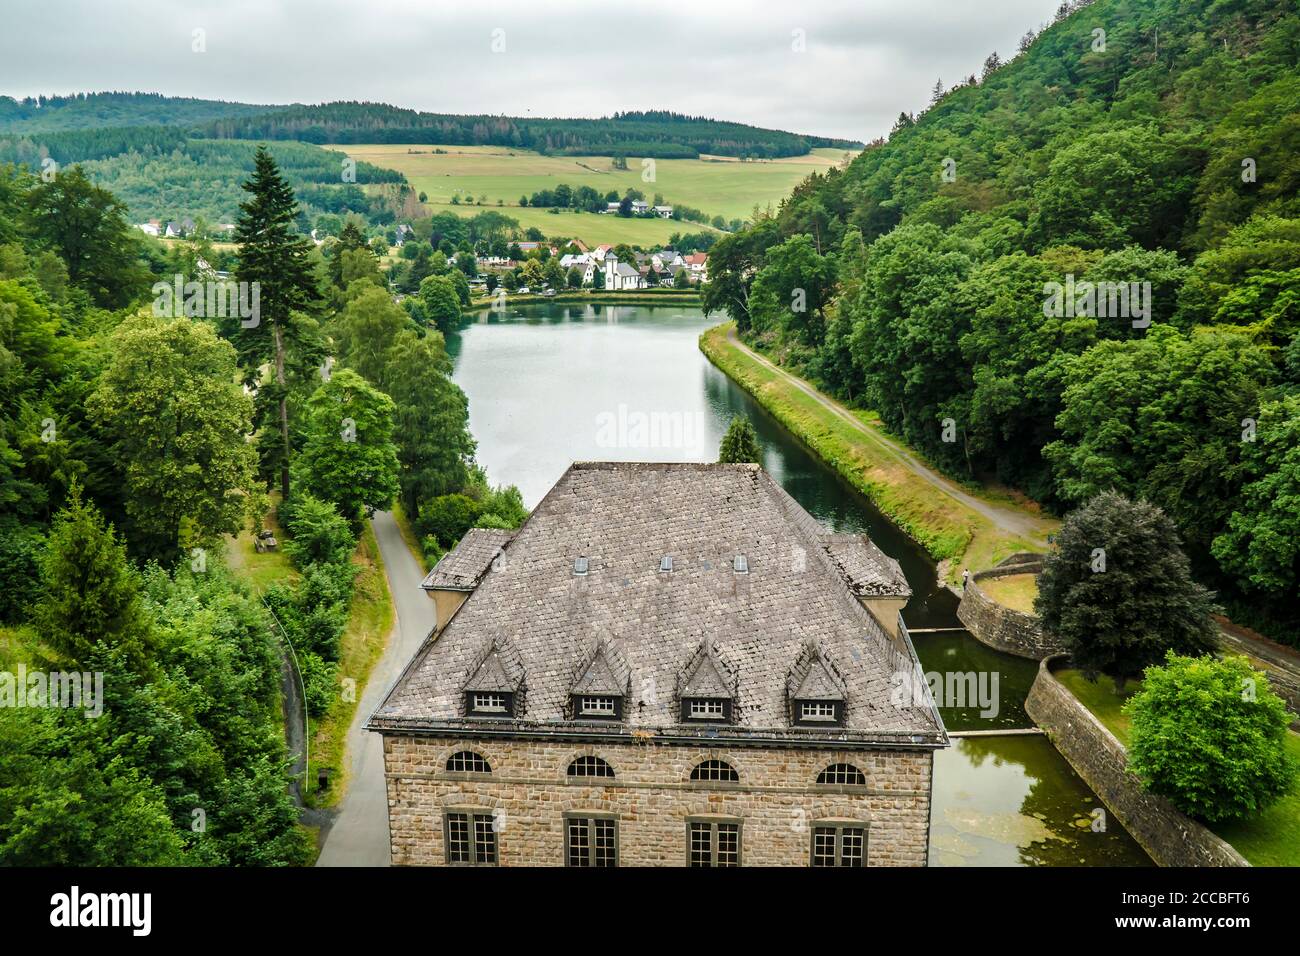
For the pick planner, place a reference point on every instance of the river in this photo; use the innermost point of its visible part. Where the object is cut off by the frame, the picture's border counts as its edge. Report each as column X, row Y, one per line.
column 552, row 384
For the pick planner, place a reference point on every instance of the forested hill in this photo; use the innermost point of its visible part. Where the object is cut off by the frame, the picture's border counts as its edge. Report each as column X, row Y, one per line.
column 92, row 110
column 1154, row 142
column 659, row 133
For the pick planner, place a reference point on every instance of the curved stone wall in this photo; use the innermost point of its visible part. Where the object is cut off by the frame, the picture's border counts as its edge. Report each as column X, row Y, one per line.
column 1170, row 837
column 998, row 626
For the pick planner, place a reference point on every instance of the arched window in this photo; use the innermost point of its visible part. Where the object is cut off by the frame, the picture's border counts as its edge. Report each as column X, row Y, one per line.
column 843, row 774
column 467, row 761
column 590, row 767
column 715, row 770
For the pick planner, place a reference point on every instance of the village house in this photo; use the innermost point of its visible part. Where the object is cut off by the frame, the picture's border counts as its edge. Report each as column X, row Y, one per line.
column 664, row 212
column 698, row 263
column 666, row 665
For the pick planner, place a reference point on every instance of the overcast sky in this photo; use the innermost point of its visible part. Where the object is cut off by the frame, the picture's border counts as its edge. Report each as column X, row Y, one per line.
column 863, row 60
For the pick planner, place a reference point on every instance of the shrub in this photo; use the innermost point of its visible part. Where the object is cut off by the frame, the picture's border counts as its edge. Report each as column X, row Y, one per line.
column 318, row 533
column 1210, row 735
column 318, row 682
column 448, row 517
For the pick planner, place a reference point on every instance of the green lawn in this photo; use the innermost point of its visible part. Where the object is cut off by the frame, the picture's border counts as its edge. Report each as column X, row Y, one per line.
column 1271, row 838
column 1016, row 591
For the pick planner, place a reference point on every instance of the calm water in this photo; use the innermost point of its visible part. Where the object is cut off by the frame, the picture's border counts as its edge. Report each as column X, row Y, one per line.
column 553, row 384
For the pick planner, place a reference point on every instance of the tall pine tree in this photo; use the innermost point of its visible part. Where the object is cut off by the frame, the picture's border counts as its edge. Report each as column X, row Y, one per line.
column 278, row 258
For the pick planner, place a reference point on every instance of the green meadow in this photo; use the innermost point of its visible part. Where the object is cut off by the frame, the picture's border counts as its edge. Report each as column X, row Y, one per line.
column 718, row 186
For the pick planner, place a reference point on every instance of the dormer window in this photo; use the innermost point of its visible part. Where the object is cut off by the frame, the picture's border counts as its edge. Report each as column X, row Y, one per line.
column 580, row 566
column 740, row 564
column 716, row 709
column 818, row 711
column 666, row 563
column 491, row 704
column 599, row 707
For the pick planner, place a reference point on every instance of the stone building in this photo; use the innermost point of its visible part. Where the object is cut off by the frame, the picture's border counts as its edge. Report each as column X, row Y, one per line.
column 667, row 664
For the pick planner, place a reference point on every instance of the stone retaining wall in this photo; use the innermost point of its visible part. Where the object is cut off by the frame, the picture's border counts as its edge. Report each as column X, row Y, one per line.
column 1169, row 836
column 998, row 626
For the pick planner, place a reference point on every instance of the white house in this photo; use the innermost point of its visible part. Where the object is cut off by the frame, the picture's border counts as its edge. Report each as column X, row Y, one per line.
column 664, row 212
column 619, row 276
column 640, row 207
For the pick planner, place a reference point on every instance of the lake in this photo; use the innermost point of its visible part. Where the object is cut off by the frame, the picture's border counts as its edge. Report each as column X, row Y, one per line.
column 552, row 384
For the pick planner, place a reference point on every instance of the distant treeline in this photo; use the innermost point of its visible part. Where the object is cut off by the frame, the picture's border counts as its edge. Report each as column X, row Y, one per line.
column 660, row 134
column 97, row 110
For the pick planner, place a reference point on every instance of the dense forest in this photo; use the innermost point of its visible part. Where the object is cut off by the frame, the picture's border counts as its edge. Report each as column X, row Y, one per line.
column 98, row 110
column 1079, row 271
column 138, row 433
column 159, row 173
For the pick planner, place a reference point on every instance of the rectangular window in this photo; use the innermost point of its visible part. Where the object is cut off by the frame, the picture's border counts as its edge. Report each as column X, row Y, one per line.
column 706, row 710
column 817, row 710
column 471, row 838
column 591, row 841
column 490, row 703
column 598, row 706
column 839, row 845
column 712, row 844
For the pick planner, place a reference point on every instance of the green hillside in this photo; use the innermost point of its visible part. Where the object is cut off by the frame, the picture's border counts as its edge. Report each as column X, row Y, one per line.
column 1135, row 141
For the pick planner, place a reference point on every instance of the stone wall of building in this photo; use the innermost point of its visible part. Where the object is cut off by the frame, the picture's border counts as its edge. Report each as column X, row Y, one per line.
column 1169, row 836
column 777, row 800
column 998, row 626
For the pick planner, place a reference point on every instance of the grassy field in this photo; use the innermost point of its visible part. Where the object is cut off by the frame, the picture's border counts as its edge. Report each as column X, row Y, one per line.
column 1271, row 838
column 945, row 527
column 719, row 186
column 1016, row 591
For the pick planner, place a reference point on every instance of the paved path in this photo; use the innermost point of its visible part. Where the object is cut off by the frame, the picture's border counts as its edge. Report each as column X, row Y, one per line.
column 1008, row 519
column 359, row 834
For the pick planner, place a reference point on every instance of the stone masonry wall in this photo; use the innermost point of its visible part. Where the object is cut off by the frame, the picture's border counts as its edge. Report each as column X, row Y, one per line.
column 1169, row 836
column 999, row 626
column 777, row 799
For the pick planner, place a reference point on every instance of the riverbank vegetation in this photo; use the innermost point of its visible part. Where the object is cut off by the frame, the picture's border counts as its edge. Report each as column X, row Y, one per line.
column 1071, row 274
column 949, row 530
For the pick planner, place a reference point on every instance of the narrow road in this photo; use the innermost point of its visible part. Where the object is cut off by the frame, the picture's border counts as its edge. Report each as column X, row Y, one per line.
column 359, row 834
column 1008, row 519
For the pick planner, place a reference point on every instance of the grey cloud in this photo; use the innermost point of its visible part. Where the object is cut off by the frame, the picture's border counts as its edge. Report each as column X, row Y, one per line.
column 864, row 61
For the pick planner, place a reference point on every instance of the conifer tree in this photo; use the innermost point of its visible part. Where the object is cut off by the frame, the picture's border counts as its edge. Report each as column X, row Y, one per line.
column 739, row 444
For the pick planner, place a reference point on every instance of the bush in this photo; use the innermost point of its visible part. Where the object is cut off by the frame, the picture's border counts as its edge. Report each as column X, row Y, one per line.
column 318, row 682
column 318, row 533
column 448, row 517
column 20, row 570
column 1210, row 735
column 1118, row 592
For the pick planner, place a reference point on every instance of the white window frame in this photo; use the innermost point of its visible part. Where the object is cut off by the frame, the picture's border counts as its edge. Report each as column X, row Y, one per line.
column 488, row 703
column 706, row 708
column 819, row 710
column 590, row 705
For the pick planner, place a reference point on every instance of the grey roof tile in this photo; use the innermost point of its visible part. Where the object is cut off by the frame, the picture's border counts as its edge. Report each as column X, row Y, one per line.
column 625, row 517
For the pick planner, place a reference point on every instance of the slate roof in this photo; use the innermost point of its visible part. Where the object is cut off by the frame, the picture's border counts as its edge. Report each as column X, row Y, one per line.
column 625, row 517
column 706, row 676
column 461, row 568
column 868, row 571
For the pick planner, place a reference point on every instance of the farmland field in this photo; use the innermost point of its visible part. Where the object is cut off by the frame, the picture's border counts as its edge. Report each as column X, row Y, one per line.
column 719, row 186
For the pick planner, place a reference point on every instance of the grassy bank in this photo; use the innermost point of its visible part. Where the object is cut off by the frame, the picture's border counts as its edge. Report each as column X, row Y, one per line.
column 1270, row 838
column 947, row 528
column 370, row 620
